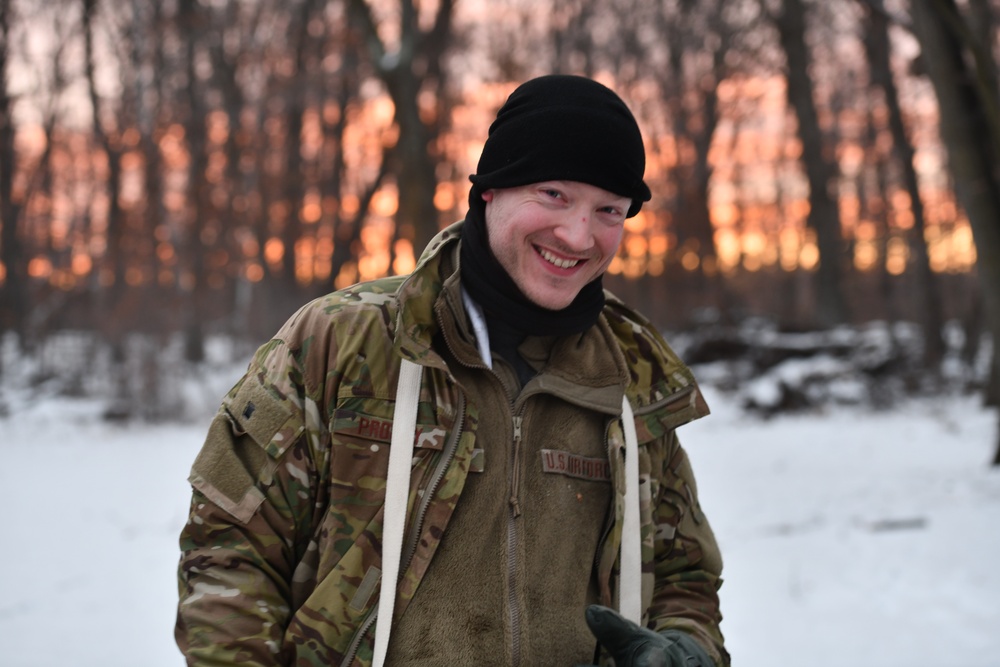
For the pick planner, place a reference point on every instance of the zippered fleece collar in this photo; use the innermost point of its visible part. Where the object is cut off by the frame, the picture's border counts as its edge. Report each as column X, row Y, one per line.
column 661, row 389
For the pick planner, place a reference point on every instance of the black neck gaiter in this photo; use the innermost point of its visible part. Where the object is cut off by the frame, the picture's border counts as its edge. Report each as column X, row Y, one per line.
column 503, row 302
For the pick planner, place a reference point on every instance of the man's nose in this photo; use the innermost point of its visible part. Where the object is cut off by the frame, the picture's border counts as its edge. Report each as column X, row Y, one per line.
column 575, row 231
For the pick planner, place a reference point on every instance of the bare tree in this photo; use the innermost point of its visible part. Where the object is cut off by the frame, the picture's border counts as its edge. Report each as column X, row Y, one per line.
column 12, row 291
column 416, row 80
column 959, row 67
column 346, row 229
column 699, row 36
column 236, row 52
column 232, row 120
column 821, row 170
column 192, row 24
column 146, row 41
column 295, row 99
column 877, row 47
column 109, row 143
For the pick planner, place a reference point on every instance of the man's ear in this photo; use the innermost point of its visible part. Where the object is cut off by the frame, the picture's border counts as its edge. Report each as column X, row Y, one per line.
column 488, row 195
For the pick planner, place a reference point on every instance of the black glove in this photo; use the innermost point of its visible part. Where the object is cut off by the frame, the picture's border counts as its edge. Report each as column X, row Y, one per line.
column 632, row 646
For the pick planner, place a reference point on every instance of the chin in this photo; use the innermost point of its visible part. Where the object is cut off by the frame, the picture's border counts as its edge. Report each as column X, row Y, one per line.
column 551, row 304
column 550, row 299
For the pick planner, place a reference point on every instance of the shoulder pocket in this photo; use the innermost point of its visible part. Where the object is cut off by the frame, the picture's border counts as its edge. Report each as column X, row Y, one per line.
column 241, row 451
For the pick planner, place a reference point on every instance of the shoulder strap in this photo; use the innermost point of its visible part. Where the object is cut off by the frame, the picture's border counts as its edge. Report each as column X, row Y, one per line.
column 397, row 489
column 630, row 594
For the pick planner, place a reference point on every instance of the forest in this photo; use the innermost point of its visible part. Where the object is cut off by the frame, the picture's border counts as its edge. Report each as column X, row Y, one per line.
column 178, row 170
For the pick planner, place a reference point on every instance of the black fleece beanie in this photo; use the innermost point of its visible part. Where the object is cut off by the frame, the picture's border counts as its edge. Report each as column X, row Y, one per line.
column 565, row 128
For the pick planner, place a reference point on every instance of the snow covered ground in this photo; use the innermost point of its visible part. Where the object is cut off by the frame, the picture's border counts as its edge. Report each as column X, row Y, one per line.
column 850, row 538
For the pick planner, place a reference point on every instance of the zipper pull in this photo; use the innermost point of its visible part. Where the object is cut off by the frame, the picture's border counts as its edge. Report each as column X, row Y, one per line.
column 515, row 474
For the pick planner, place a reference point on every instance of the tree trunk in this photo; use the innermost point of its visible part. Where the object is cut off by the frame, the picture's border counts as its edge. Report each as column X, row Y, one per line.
column 114, row 259
column 13, row 299
column 970, row 128
column 928, row 289
column 414, row 64
column 416, row 181
column 191, row 19
column 821, row 171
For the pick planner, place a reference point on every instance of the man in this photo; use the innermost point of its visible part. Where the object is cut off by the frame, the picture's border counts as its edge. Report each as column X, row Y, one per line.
column 517, row 490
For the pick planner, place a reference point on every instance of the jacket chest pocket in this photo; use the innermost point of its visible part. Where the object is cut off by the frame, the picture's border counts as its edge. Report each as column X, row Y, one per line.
column 360, row 436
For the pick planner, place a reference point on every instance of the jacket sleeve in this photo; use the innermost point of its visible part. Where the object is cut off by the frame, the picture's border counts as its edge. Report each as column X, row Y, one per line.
column 687, row 562
column 254, row 487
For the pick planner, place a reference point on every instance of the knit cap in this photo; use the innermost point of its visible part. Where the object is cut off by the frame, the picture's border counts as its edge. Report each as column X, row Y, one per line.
column 569, row 128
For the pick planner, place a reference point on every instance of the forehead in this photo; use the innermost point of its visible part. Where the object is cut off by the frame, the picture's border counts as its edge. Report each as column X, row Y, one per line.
column 579, row 188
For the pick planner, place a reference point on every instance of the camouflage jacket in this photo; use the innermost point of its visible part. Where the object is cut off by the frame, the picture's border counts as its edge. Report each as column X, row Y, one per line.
column 281, row 552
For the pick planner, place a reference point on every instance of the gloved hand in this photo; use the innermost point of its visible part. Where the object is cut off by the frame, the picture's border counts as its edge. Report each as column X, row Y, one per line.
column 633, row 646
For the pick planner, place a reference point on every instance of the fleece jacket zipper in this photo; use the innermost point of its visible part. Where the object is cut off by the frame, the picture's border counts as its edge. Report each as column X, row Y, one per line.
column 514, row 511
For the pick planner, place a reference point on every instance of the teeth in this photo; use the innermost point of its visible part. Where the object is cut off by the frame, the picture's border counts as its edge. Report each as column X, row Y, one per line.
column 561, row 263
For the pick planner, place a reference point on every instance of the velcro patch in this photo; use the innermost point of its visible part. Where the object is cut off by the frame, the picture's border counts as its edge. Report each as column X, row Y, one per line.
column 258, row 413
column 227, row 468
column 558, row 462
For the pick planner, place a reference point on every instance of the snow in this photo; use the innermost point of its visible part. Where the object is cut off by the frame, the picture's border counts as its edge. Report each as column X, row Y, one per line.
column 850, row 537
column 856, row 538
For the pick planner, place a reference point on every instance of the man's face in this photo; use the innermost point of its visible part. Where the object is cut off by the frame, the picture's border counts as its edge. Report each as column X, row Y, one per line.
column 554, row 237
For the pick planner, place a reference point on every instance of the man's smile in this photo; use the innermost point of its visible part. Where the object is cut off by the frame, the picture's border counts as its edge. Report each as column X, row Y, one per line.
column 555, row 260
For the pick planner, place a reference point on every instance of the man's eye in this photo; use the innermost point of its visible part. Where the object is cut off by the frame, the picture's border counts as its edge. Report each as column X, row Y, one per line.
column 555, row 194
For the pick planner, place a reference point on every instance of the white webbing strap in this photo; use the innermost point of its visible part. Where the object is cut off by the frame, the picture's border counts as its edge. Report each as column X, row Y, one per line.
column 630, row 579
column 397, row 489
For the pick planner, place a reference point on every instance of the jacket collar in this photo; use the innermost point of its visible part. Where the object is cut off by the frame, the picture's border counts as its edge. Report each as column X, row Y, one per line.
column 415, row 299
column 586, row 369
column 660, row 387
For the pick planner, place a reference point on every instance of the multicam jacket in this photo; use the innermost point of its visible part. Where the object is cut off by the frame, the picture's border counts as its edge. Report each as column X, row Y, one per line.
column 281, row 554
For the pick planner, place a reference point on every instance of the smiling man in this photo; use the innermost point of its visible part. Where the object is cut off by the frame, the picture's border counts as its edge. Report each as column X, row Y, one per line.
column 547, row 514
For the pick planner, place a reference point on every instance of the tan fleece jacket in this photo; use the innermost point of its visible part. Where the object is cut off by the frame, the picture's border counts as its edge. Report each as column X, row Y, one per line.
column 515, row 569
